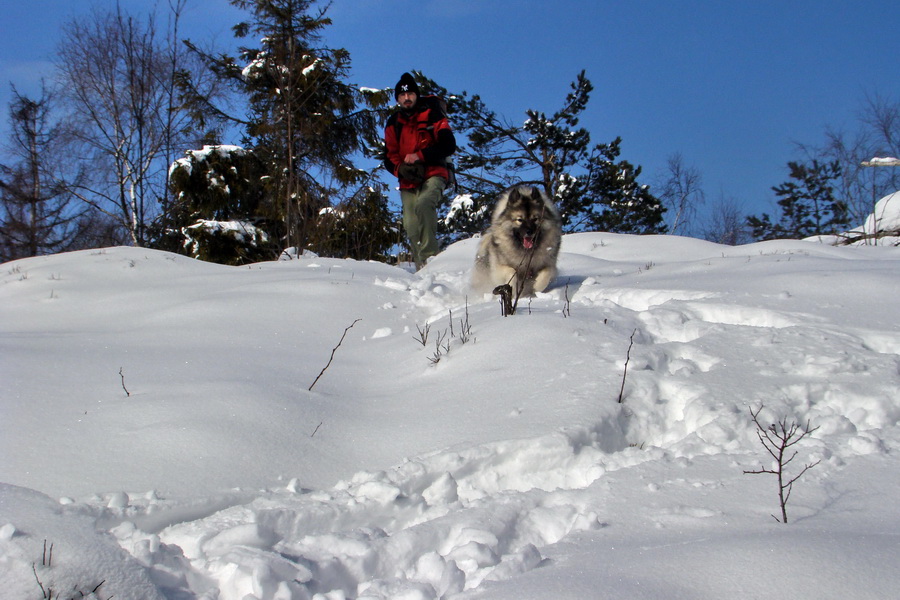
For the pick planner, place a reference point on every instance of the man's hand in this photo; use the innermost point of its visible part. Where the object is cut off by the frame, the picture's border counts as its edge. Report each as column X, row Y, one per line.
column 411, row 158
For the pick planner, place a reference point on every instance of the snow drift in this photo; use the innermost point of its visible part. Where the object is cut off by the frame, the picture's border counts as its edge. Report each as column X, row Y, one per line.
column 159, row 431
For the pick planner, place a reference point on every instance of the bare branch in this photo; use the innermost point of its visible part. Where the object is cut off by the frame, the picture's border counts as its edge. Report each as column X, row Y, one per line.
column 423, row 333
column 625, row 371
column 122, row 376
column 333, row 350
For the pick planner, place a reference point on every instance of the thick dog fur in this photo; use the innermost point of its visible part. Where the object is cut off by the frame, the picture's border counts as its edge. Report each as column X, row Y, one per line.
column 522, row 244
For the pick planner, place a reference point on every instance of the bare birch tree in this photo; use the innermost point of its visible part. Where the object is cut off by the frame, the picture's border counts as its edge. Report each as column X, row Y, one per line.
column 878, row 135
column 726, row 223
column 118, row 75
column 681, row 193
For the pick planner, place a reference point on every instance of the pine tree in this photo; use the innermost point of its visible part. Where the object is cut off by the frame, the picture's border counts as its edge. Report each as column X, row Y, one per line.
column 38, row 214
column 591, row 191
column 215, row 185
column 303, row 120
column 361, row 227
column 613, row 199
column 808, row 205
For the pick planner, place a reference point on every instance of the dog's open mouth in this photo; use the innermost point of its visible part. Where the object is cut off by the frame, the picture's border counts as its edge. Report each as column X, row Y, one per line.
column 528, row 242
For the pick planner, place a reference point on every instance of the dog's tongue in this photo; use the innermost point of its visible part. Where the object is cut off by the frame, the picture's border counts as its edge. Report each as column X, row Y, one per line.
column 528, row 242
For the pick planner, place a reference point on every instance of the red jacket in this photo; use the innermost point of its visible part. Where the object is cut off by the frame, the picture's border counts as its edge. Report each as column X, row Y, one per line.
column 425, row 132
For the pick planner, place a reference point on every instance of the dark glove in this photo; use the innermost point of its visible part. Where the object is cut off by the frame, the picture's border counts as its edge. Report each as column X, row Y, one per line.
column 412, row 172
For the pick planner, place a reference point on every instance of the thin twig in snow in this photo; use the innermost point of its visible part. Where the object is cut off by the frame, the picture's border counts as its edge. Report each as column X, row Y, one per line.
column 625, row 372
column 122, row 376
column 333, row 350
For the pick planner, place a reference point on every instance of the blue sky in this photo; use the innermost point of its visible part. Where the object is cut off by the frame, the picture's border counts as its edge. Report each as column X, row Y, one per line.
column 730, row 85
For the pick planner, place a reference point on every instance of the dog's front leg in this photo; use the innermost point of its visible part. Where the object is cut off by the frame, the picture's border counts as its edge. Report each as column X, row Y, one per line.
column 504, row 274
column 543, row 278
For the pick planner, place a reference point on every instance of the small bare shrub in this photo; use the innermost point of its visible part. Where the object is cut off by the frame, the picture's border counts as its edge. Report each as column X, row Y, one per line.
column 423, row 334
column 47, row 591
column 777, row 439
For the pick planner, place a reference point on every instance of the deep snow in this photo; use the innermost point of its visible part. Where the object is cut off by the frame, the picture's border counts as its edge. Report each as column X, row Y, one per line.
column 157, row 428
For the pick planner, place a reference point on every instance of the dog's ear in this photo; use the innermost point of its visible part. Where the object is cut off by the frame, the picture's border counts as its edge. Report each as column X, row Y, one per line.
column 514, row 199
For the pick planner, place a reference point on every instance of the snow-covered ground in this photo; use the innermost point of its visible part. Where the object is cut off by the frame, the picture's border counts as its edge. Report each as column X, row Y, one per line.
column 157, row 427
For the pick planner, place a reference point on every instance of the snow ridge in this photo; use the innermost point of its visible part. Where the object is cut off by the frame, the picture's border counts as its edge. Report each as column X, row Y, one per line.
column 498, row 471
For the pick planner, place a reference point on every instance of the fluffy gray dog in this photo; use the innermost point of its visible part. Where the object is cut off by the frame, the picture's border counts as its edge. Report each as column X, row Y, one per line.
column 522, row 244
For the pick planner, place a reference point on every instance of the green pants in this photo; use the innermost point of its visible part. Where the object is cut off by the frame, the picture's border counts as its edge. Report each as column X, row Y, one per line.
column 420, row 218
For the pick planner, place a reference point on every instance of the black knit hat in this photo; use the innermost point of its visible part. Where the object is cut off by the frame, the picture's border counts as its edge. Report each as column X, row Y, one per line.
column 406, row 84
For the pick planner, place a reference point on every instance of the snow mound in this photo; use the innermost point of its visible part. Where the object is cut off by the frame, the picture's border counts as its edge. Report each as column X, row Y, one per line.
column 325, row 429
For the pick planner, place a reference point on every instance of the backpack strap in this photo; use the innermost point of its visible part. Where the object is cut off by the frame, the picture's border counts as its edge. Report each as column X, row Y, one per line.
column 437, row 110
